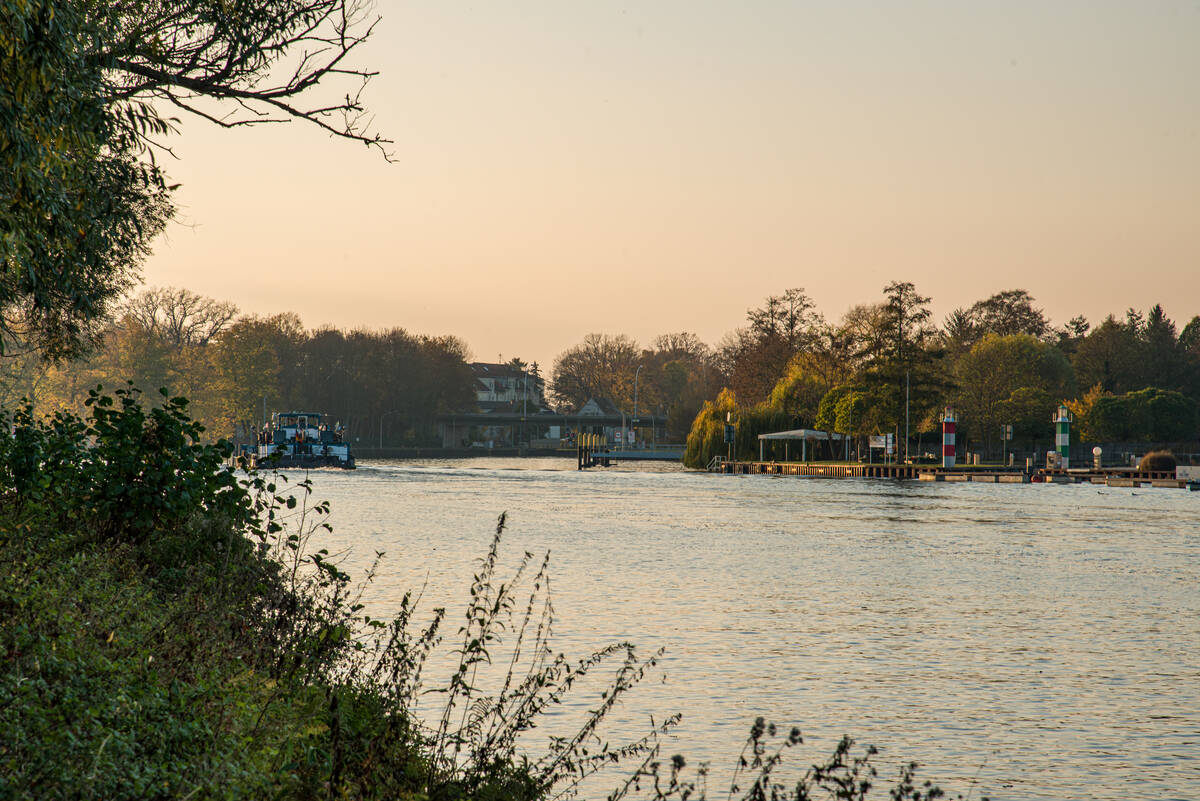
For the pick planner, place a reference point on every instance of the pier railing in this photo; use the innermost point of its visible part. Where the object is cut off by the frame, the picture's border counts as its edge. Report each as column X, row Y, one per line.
column 1112, row 477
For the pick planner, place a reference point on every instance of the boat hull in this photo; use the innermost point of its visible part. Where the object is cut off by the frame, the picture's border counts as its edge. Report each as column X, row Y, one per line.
column 306, row 462
column 304, row 456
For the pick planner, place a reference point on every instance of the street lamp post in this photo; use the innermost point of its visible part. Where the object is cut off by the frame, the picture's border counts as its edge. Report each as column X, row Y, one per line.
column 906, row 459
column 381, row 417
column 635, row 394
column 850, row 423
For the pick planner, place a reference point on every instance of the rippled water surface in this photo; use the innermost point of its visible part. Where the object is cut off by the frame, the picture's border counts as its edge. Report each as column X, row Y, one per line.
column 1037, row 641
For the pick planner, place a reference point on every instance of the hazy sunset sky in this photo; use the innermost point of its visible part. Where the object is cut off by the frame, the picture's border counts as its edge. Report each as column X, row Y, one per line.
column 567, row 167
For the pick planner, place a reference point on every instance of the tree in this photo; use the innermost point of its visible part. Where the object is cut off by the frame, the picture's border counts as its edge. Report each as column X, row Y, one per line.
column 132, row 353
column 1007, row 313
column 78, row 206
column 1077, row 327
column 706, row 438
column 82, row 190
column 992, row 372
column 1081, row 409
column 179, row 316
column 1172, row 414
column 1004, row 314
column 1114, row 418
column 751, row 364
column 1142, row 350
column 1164, row 363
column 1189, row 338
column 678, row 375
column 1189, row 345
column 863, row 335
column 1108, row 356
column 904, row 362
column 906, row 323
column 1029, row 410
column 682, row 345
column 755, row 357
column 245, row 364
column 790, row 317
column 798, row 394
column 602, row 366
column 959, row 330
column 844, row 410
column 1148, row 415
column 1070, row 335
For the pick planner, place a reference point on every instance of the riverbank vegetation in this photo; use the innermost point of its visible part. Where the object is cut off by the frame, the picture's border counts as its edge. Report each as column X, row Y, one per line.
column 387, row 385
column 236, row 369
column 887, row 368
column 169, row 630
column 169, row 633
column 999, row 362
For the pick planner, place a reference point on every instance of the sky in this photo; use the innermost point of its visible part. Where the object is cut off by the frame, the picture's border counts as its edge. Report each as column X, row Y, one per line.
column 563, row 167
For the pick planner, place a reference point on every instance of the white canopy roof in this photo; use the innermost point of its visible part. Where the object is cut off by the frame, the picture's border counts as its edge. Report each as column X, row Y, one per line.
column 802, row 433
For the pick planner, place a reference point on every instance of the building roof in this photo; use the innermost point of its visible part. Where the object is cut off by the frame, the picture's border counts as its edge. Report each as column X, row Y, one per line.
column 489, row 370
column 801, row 433
column 599, row 406
column 511, row 407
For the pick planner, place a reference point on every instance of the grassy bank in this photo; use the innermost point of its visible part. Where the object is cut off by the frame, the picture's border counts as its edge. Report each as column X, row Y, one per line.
column 167, row 632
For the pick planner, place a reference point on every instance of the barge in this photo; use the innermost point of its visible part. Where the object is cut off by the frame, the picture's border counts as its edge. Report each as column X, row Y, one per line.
column 304, row 440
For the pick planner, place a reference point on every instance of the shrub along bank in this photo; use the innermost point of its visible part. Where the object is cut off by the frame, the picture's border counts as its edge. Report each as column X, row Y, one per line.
column 165, row 632
column 158, row 643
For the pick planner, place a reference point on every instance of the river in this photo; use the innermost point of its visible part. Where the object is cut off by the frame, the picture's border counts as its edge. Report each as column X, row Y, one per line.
column 1020, row 641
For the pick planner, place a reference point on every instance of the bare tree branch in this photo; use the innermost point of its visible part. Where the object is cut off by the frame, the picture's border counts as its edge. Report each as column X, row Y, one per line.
column 179, row 316
column 266, row 61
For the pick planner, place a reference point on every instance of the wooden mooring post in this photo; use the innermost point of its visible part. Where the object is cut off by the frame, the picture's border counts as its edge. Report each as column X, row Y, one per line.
column 591, row 451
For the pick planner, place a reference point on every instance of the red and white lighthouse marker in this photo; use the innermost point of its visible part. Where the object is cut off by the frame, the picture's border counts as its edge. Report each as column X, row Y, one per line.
column 948, row 438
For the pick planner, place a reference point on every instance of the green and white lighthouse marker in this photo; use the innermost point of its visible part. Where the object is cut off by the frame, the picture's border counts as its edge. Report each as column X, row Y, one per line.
column 1062, row 433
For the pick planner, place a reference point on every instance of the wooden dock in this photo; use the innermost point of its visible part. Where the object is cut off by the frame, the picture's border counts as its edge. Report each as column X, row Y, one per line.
column 1111, row 477
column 645, row 455
column 818, row 469
column 985, row 477
column 593, row 450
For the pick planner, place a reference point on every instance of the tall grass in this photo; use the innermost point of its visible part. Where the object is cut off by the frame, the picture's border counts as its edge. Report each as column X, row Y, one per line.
column 168, row 630
column 474, row 737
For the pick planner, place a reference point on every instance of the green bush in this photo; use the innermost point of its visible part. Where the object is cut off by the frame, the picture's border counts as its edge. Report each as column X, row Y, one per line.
column 168, row 632
column 1157, row 462
column 1148, row 415
column 707, row 436
column 124, row 474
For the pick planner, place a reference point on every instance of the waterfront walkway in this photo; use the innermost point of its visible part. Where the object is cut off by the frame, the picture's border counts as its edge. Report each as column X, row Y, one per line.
column 1110, row 476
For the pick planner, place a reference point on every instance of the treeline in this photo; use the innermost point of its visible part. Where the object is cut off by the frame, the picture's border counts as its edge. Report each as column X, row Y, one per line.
column 381, row 385
column 883, row 367
column 671, row 378
column 887, row 367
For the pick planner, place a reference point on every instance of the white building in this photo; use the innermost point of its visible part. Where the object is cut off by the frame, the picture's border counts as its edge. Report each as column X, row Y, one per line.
column 504, row 385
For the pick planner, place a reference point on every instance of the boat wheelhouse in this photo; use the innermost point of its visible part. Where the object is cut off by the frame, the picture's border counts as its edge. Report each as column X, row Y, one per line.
column 303, row 439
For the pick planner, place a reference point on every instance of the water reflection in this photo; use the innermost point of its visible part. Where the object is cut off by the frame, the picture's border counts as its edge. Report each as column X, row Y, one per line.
column 1042, row 639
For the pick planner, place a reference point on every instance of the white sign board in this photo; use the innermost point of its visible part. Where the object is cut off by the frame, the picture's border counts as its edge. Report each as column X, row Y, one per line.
column 1186, row 472
column 878, row 441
